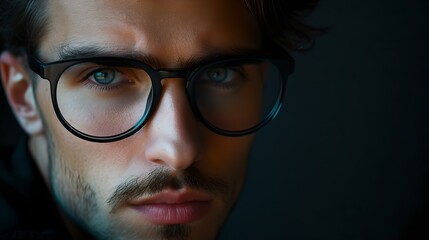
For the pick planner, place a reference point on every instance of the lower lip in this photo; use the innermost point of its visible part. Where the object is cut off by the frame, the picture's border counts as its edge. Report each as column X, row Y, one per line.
column 181, row 213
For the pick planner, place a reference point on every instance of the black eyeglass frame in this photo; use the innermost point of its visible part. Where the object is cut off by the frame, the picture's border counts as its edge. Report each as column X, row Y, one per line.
column 52, row 72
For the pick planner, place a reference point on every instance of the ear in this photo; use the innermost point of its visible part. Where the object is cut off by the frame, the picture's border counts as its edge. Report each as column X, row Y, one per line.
column 19, row 92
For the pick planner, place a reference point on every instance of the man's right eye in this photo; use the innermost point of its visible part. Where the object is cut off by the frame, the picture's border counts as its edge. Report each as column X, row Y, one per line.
column 106, row 79
column 103, row 76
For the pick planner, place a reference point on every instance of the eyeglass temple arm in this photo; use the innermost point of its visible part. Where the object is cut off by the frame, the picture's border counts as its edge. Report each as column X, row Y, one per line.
column 36, row 66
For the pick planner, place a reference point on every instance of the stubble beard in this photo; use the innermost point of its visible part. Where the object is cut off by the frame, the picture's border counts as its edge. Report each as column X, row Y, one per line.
column 77, row 201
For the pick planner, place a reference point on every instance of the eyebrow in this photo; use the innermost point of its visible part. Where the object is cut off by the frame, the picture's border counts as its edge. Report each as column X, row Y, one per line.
column 76, row 51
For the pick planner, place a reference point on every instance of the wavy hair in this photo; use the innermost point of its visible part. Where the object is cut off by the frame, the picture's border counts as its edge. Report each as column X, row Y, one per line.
column 282, row 24
column 23, row 22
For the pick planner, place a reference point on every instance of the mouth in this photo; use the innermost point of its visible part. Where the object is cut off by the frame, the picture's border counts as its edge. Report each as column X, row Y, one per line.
column 174, row 206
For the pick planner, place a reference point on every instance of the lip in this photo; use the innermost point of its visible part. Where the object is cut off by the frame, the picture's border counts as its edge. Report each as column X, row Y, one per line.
column 174, row 207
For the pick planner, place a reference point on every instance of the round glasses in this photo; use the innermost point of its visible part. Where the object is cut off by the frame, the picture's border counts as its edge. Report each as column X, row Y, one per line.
column 106, row 99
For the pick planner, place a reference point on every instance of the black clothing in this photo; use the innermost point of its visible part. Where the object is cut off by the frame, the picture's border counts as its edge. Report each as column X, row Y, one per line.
column 27, row 210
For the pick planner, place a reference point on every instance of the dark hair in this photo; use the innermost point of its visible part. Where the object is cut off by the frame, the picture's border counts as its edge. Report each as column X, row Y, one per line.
column 282, row 25
column 22, row 24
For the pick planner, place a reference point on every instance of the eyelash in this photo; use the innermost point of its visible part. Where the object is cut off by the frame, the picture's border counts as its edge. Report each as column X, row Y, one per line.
column 99, row 88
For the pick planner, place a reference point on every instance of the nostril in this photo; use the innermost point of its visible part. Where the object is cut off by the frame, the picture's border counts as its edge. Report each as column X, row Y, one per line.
column 172, row 151
column 158, row 161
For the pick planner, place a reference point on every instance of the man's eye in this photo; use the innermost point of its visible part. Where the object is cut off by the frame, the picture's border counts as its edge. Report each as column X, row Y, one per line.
column 107, row 79
column 218, row 75
column 103, row 76
column 222, row 76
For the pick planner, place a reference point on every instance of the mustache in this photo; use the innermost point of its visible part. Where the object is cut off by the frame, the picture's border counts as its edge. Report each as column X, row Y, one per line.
column 160, row 179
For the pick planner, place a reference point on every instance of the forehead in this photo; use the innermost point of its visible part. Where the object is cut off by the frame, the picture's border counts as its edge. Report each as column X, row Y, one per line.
column 159, row 27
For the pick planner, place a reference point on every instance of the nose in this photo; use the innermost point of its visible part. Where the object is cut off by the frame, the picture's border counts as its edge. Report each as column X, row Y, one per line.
column 173, row 136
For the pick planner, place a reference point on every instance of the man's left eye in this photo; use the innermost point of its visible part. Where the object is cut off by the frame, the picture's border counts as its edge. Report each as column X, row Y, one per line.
column 218, row 75
column 221, row 75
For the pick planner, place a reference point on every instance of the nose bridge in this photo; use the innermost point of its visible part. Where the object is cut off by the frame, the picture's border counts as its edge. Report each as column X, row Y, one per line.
column 174, row 139
column 173, row 73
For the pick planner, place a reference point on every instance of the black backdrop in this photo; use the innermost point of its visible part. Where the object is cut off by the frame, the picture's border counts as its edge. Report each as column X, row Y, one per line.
column 348, row 156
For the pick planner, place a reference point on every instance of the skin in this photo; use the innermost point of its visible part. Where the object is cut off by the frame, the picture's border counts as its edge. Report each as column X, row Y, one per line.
column 83, row 176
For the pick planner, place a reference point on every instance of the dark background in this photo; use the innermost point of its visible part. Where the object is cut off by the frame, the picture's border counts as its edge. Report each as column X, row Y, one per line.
column 347, row 158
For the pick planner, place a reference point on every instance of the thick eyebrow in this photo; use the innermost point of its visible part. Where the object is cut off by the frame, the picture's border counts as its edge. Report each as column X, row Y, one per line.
column 76, row 51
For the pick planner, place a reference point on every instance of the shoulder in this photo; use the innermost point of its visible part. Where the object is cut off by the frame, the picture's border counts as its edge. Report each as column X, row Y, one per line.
column 31, row 235
column 8, row 194
column 6, row 151
column 24, row 198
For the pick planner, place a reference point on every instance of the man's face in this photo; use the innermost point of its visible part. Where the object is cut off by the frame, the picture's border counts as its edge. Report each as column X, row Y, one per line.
column 174, row 178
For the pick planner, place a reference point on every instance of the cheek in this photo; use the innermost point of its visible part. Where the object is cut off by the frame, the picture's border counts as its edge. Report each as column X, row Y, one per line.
column 90, row 160
column 226, row 158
